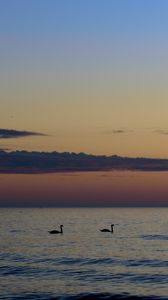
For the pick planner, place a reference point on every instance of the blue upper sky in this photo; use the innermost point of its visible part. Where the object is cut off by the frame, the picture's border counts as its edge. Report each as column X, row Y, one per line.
column 86, row 64
column 83, row 16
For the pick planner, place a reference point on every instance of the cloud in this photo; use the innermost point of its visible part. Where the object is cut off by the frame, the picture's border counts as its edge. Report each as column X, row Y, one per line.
column 161, row 131
column 118, row 131
column 11, row 133
column 50, row 162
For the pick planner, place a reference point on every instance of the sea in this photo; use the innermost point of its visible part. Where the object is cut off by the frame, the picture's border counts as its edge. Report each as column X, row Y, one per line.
column 83, row 262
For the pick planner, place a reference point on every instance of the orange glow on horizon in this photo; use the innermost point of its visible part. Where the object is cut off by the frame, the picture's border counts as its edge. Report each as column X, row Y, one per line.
column 123, row 188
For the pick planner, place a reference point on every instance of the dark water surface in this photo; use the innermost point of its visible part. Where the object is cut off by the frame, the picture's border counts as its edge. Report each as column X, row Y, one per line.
column 84, row 263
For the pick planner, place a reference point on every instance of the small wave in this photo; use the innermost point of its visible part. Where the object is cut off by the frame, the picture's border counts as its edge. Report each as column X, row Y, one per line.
column 104, row 261
column 21, row 271
column 86, row 296
column 8, row 257
column 145, row 263
column 87, row 261
column 17, row 230
column 106, row 296
column 155, row 237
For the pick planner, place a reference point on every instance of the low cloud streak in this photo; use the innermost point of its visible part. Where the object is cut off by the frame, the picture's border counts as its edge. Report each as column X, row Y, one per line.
column 118, row 131
column 161, row 131
column 50, row 162
column 11, row 133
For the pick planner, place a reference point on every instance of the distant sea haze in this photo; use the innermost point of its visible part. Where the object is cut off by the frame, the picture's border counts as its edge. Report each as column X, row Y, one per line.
column 45, row 162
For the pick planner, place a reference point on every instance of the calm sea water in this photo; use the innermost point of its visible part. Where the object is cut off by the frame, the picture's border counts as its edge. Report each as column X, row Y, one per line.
column 84, row 263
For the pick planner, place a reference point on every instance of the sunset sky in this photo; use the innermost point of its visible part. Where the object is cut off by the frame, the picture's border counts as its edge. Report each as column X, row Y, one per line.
column 84, row 76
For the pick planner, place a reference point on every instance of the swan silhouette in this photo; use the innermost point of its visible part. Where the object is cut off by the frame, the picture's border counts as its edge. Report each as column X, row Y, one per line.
column 108, row 230
column 57, row 231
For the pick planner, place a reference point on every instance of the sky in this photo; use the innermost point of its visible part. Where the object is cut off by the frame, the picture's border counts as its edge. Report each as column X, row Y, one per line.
column 82, row 72
column 119, row 189
column 85, row 76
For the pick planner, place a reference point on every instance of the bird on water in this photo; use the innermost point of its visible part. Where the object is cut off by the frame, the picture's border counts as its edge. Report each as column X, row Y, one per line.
column 108, row 230
column 57, row 231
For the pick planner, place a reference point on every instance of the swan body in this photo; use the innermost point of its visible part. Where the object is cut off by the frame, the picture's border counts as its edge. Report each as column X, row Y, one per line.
column 108, row 230
column 56, row 231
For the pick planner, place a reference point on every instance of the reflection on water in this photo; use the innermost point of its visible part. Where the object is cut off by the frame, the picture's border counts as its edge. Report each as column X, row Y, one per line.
column 131, row 261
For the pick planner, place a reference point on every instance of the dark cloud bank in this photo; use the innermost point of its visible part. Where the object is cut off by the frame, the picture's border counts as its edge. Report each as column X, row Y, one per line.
column 11, row 133
column 46, row 162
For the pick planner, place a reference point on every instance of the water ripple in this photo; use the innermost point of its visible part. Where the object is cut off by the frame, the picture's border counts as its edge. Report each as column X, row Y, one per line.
column 155, row 237
column 82, row 296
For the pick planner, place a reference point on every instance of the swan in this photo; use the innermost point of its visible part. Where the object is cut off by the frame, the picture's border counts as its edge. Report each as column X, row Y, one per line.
column 108, row 230
column 57, row 231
